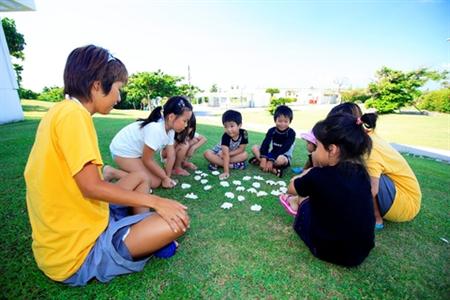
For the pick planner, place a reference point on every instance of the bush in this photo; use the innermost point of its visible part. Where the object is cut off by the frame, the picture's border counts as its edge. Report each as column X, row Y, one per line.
column 27, row 94
column 52, row 94
column 436, row 101
column 279, row 101
column 355, row 95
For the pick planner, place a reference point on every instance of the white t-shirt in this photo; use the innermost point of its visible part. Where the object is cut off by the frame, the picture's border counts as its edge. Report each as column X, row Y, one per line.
column 129, row 141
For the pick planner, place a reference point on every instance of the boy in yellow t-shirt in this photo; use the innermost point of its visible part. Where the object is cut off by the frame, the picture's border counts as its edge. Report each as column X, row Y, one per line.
column 77, row 235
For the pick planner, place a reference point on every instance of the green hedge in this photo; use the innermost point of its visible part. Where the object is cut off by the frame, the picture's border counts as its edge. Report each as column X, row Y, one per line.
column 436, row 101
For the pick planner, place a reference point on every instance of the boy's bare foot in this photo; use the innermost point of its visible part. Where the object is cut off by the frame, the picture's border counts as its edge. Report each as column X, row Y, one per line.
column 189, row 165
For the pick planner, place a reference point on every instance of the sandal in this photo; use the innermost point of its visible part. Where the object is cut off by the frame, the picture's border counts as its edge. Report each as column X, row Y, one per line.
column 254, row 161
column 284, row 201
column 278, row 172
column 167, row 251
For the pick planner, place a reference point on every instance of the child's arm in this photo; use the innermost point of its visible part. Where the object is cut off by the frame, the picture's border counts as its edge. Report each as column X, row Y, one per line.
column 239, row 150
column 170, row 160
column 92, row 186
column 154, row 168
column 226, row 162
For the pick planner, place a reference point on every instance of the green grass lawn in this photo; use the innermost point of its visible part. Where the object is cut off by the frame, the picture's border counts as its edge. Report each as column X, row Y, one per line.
column 236, row 253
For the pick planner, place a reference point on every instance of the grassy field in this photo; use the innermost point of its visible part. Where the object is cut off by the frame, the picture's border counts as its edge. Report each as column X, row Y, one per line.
column 235, row 253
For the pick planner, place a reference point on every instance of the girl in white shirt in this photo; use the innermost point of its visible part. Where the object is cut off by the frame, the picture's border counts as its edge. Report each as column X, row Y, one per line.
column 133, row 148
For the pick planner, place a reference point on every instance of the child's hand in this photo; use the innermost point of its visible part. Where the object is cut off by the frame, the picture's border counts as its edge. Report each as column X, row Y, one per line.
column 262, row 164
column 269, row 166
column 224, row 175
column 168, row 183
column 173, row 213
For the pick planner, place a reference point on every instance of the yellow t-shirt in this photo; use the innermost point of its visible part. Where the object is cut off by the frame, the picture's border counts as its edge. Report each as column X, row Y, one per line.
column 386, row 160
column 65, row 224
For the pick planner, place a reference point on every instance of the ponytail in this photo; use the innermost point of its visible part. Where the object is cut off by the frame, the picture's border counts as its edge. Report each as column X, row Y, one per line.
column 369, row 120
column 154, row 116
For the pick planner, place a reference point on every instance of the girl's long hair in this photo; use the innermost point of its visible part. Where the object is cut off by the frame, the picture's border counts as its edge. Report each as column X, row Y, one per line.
column 175, row 105
column 369, row 119
column 188, row 132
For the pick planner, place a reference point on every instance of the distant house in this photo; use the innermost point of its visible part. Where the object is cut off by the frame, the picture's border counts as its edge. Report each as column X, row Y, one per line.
column 257, row 97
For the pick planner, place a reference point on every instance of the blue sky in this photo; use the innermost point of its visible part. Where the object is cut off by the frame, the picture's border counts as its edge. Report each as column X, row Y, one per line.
column 247, row 43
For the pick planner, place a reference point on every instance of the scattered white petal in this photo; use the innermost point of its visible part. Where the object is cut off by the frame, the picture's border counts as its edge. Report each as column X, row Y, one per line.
column 207, row 187
column 246, row 178
column 261, row 193
column 185, row 186
column 236, row 182
column 281, row 183
column 240, row 188
column 256, row 185
column 271, row 182
column 227, row 205
column 204, row 175
column 229, row 195
column 197, row 177
column 224, row 183
column 252, row 190
column 283, row 189
column 444, row 240
column 275, row 193
column 258, row 178
column 240, row 198
column 198, row 172
column 203, row 181
column 256, row 207
column 215, row 173
column 191, row 196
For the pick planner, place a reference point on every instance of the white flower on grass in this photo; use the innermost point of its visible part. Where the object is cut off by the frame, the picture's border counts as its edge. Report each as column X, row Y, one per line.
column 256, row 207
column 256, row 185
column 281, row 183
column 229, row 195
column 283, row 189
column 252, row 190
column 227, row 205
column 198, row 172
column 215, row 173
column 191, row 196
column 207, row 187
column 204, row 175
column 275, row 193
column 224, row 183
column 261, row 193
column 203, row 181
column 236, row 182
column 240, row 198
column 197, row 177
column 271, row 182
column 246, row 178
column 240, row 189
column 185, row 186
column 258, row 177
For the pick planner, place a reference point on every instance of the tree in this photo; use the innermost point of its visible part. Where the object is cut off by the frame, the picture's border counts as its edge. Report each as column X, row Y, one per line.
column 395, row 89
column 272, row 91
column 16, row 45
column 355, row 95
column 275, row 102
column 52, row 94
column 214, row 88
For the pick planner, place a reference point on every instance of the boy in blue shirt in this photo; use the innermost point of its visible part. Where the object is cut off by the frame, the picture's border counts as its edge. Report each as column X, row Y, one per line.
column 275, row 153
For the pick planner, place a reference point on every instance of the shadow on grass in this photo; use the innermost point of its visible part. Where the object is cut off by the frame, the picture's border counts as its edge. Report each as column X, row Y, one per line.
column 34, row 108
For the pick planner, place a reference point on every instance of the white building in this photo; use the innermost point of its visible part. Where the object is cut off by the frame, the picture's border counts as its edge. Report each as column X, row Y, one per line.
column 11, row 110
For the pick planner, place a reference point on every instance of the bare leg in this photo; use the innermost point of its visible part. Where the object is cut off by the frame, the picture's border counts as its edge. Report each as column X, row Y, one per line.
column 376, row 209
column 136, row 181
column 136, row 165
column 180, row 154
column 111, row 173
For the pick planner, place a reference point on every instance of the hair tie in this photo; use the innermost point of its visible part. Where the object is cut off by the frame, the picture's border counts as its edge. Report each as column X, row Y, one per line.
column 358, row 121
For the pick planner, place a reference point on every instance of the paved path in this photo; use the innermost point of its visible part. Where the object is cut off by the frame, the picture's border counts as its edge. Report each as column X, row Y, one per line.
column 211, row 116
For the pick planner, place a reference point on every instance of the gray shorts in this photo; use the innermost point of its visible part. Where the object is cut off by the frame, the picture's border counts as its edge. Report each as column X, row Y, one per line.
column 386, row 194
column 109, row 257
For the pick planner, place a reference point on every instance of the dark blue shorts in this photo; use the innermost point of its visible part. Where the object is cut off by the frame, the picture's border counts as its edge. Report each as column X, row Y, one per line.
column 386, row 194
column 302, row 223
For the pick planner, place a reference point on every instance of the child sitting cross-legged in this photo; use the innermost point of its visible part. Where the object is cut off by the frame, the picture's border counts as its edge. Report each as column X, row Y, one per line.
column 230, row 153
column 275, row 153
column 335, row 216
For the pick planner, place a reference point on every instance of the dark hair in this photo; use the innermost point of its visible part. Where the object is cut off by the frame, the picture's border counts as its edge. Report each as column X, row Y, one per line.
column 175, row 105
column 232, row 116
column 344, row 131
column 88, row 64
column 283, row 110
column 369, row 119
column 182, row 136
